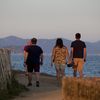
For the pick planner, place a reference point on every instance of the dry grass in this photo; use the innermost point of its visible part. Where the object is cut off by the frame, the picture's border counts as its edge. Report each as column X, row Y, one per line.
column 80, row 89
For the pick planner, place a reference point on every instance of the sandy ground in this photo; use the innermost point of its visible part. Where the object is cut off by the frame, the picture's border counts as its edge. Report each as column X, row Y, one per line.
column 50, row 88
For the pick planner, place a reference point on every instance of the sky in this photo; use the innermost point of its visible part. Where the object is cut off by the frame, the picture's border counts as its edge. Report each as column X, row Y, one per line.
column 50, row 19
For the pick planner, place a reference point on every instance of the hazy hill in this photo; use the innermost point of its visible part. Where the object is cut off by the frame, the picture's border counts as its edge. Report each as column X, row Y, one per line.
column 18, row 43
column 11, row 41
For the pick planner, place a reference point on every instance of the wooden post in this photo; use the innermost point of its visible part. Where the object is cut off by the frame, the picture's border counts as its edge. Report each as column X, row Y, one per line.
column 5, row 68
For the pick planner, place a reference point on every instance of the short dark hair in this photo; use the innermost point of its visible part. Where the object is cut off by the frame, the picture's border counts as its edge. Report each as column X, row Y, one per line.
column 59, row 42
column 34, row 40
column 77, row 35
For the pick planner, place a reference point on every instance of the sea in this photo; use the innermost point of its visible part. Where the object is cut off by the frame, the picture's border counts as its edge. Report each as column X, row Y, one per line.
column 91, row 67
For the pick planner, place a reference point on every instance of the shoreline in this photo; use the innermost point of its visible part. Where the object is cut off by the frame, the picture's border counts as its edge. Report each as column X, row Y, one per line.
column 46, row 74
column 23, row 72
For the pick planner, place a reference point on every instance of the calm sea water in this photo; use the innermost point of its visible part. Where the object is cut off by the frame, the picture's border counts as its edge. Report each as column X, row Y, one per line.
column 91, row 67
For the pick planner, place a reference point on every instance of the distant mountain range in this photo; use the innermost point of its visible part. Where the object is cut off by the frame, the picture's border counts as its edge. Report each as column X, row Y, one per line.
column 17, row 44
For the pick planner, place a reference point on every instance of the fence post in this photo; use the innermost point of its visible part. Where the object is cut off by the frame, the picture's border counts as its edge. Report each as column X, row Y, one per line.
column 5, row 68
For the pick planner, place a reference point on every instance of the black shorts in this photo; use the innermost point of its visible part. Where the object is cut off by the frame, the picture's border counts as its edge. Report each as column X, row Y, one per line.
column 35, row 67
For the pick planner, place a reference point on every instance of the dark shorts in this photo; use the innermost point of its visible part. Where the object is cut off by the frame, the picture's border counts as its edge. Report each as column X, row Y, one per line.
column 35, row 67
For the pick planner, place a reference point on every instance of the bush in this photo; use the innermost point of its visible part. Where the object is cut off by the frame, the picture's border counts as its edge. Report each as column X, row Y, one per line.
column 13, row 89
column 80, row 88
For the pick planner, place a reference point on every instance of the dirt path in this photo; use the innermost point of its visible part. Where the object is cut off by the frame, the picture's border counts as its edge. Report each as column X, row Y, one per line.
column 49, row 88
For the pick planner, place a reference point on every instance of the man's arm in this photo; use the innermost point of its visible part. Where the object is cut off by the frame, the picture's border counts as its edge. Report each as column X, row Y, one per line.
column 71, row 53
column 25, row 56
column 41, row 59
column 85, row 54
column 67, row 54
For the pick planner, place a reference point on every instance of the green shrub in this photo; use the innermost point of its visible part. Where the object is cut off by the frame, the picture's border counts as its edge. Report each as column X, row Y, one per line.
column 13, row 89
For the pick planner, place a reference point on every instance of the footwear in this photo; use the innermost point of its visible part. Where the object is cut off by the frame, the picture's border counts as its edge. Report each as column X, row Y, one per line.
column 37, row 84
column 29, row 84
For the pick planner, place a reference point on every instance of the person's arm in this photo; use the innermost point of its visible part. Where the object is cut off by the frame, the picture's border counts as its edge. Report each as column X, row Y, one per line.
column 84, row 54
column 25, row 56
column 71, row 53
column 67, row 54
column 72, row 50
column 70, row 60
column 52, row 56
column 41, row 59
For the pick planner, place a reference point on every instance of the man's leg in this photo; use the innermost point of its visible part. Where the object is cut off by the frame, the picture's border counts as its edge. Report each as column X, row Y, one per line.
column 37, row 74
column 29, row 78
column 80, row 67
column 81, row 74
column 75, row 73
column 37, row 78
column 75, row 67
column 30, row 70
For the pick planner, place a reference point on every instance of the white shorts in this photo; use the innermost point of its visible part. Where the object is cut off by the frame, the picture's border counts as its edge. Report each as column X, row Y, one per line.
column 60, row 66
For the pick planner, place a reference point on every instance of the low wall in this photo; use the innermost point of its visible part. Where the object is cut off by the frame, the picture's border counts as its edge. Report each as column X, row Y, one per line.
column 5, row 68
column 80, row 89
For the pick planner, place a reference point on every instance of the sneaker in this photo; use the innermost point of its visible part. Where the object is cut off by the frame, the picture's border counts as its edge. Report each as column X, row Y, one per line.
column 37, row 84
column 29, row 84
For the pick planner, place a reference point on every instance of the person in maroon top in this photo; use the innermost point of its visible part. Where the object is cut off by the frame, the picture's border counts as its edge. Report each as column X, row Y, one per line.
column 25, row 48
column 28, row 43
column 33, row 58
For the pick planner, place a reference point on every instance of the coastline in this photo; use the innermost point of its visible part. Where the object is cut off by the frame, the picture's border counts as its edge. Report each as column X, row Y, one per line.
column 91, row 67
